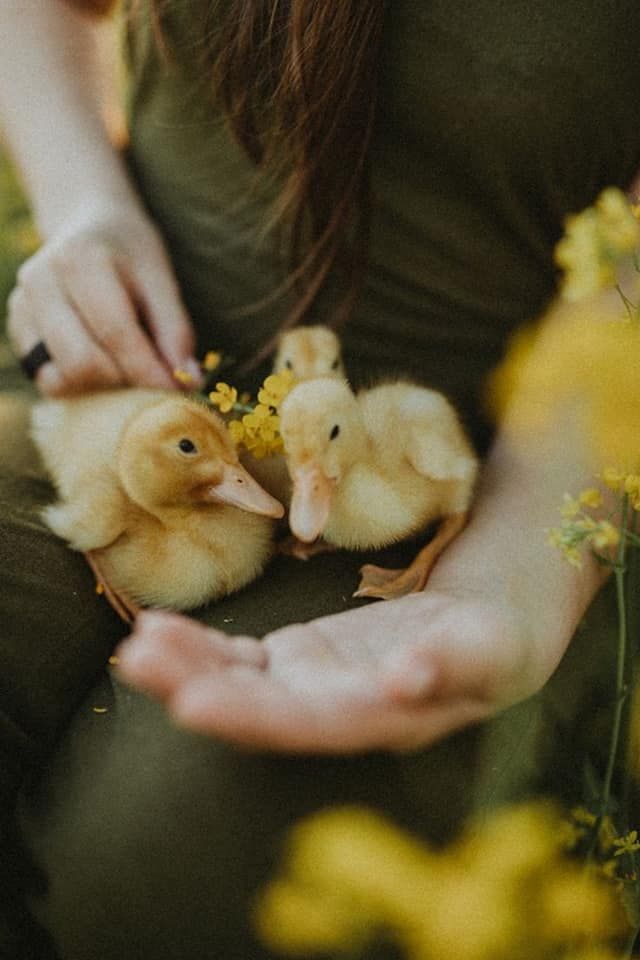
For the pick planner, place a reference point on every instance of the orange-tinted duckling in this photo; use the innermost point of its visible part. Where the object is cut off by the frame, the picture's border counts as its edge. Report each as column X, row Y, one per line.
column 151, row 490
column 373, row 469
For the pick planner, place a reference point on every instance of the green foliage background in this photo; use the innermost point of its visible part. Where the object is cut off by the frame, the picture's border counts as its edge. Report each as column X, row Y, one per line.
column 18, row 239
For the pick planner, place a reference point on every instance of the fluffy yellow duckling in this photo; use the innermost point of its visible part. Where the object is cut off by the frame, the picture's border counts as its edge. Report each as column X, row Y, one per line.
column 151, row 490
column 372, row 469
column 306, row 352
column 309, row 352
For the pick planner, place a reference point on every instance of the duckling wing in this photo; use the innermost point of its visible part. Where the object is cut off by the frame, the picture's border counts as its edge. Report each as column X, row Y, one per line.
column 435, row 442
column 94, row 518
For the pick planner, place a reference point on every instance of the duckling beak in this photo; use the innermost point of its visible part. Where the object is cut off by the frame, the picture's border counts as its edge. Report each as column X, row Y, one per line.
column 239, row 489
column 310, row 503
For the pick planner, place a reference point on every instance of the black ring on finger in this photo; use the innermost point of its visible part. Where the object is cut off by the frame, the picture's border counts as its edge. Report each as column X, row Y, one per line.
column 34, row 359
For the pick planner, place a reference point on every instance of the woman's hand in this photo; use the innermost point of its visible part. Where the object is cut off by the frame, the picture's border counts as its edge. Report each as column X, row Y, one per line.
column 393, row 675
column 101, row 295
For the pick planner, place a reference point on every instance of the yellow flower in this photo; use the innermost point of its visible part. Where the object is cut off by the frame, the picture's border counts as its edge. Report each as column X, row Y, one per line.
column 579, row 254
column 618, row 224
column 593, row 243
column 626, row 844
column 606, row 535
column 262, row 422
column 223, row 397
column 570, row 507
column 613, row 478
column 591, row 498
column 275, row 388
column 212, row 360
column 504, row 889
column 183, row 376
column 237, row 431
column 583, row 816
column 296, row 919
column 576, row 904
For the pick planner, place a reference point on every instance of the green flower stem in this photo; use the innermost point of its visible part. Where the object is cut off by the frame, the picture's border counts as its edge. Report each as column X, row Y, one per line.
column 631, row 307
column 633, row 538
column 621, row 693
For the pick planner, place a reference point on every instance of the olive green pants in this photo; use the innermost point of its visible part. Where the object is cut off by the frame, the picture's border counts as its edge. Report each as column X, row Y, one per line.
column 133, row 839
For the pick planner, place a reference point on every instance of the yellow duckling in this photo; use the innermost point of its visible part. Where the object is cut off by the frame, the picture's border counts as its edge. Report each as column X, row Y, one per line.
column 305, row 352
column 309, row 352
column 151, row 490
column 372, row 469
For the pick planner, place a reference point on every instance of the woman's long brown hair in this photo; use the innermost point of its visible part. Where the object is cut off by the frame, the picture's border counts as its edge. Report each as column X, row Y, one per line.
column 297, row 82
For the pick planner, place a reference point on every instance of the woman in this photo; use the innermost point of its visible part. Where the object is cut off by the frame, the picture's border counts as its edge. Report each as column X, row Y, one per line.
column 417, row 163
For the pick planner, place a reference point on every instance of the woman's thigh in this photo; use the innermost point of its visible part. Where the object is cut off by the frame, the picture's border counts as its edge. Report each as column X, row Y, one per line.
column 154, row 842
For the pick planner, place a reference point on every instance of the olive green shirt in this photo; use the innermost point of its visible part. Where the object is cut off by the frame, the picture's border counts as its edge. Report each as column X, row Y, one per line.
column 496, row 119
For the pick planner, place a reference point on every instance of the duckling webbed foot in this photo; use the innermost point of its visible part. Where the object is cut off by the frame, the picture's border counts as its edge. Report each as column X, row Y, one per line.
column 386, row 584
column 126, row 608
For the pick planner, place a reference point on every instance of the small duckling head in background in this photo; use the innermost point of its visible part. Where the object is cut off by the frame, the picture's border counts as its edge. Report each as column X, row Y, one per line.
column 309, row 352
column 179, row 452
column 324, row 434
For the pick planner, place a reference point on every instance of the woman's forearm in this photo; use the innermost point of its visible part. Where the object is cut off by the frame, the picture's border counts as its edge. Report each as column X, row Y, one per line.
column 50, row 112
column 518, row 501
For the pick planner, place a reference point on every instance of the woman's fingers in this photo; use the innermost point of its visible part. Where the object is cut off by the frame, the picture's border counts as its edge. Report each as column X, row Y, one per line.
column 164, row 313
column 104, row 301
column 38, row 311
column 166, row 651
column 110, row 312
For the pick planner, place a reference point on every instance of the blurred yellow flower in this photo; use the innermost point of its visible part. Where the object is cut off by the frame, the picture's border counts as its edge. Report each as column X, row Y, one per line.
column 212, row 360
column 591, row 498
column 578, row 530
column 573, row 906
column 223, row 397
column 595, row 240
column 183, row 376
column 503, row 890
column 613, row 478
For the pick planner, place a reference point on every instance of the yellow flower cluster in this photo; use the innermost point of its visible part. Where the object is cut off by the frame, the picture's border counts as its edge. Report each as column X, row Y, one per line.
column 579, row 530
column 624, row 483
column 258, row 430
column 506, row 889
column 609, row 849
column 595, row 241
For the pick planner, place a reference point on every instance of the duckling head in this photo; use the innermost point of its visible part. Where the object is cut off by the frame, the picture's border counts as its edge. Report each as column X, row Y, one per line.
column 309, row 352
column 324, row 435
column 179, row 452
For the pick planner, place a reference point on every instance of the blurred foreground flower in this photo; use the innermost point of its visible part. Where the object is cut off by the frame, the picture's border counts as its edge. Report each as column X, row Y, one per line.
column 595, row 241
column 506, row 889
column 585, row 352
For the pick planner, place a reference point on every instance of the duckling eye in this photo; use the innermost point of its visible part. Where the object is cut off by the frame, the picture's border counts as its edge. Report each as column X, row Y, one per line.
column 334, row 432
column 288, row 364
column 335, row 364
column 187, row 446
